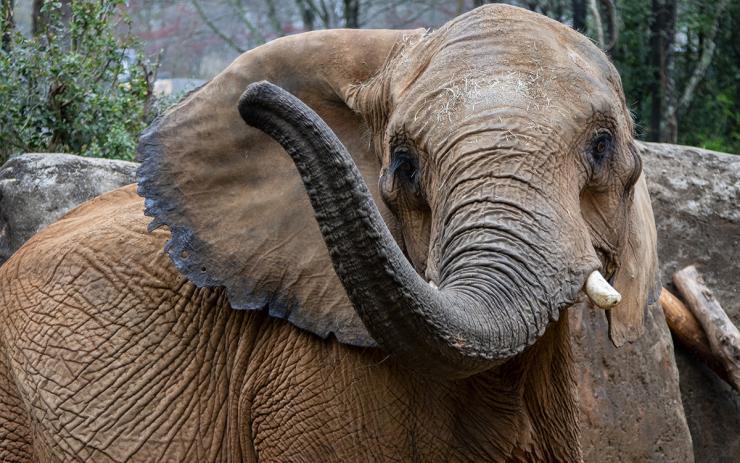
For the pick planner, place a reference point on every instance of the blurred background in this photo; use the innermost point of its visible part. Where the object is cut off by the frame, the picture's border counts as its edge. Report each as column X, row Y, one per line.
column 85, row 76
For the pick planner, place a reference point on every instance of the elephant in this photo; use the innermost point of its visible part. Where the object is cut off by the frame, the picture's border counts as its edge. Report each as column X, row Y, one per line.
column 394, row 288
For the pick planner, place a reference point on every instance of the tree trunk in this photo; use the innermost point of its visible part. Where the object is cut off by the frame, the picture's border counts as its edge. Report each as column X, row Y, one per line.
column 612, row 24
column 579, row 15
column 307, row 15
column 598, row 28
column 352, row 14
column 708, row 45
column 689, row 333
column 273, row 17
column 40, row 19
column 8, row 22
column 662, row 36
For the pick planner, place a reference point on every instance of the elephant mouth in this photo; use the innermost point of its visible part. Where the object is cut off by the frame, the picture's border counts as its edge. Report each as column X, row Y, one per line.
column 608, row 259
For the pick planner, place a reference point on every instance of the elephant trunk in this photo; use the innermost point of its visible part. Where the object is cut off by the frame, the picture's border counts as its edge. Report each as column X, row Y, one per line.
column 487, row 309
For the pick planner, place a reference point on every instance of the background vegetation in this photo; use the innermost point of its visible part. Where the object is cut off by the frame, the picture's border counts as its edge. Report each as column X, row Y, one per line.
column 77, row 83
column 75, row 75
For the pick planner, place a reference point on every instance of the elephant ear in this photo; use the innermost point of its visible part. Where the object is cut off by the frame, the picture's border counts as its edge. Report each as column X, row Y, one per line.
column 235, row 205
column 637, row 278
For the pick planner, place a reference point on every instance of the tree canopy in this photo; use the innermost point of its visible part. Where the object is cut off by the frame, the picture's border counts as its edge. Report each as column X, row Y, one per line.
column 679, row 59
column 78, row 79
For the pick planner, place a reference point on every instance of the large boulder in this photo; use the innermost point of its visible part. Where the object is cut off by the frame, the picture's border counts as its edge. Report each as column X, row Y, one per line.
column 696, row 199
column 37, row 189
column 636, row 401
column 629, row 397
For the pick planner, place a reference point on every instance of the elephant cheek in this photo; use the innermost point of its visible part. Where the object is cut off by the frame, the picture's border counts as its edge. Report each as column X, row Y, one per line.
column 416, row 231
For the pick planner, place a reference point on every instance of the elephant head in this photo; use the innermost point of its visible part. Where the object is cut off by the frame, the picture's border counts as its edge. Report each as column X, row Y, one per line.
column 501, row 173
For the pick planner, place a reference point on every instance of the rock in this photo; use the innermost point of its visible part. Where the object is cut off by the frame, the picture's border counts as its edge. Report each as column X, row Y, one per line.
column 176, row 86
column 633, row 406
column 37, row 189
column 629, row 397
column 696, row 200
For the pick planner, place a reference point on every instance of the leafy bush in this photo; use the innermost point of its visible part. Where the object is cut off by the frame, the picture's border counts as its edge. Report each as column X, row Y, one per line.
column 79, row 85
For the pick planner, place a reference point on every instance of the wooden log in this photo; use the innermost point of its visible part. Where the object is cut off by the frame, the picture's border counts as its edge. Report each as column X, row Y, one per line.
column 684, row 325
column 689, row 333
column 723, row 336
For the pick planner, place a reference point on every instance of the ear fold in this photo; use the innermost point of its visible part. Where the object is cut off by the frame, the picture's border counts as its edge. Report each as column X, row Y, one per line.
column 637, row 279
column 232, row 199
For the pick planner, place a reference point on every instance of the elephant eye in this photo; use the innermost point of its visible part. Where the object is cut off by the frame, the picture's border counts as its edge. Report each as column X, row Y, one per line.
column 405, row 166
column 601, row 146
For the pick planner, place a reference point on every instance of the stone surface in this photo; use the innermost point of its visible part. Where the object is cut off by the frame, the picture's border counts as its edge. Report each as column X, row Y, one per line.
column 629, row 397
column 37, row 189
column 176, row 86
column 696, row 200
column 633, row 405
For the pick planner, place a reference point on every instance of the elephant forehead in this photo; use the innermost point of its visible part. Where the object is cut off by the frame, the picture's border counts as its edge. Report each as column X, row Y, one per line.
column 503, row 59
column 507, row 101
column 470, row 95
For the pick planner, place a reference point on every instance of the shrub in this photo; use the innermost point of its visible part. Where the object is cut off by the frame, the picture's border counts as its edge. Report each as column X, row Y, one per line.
column 79, row 85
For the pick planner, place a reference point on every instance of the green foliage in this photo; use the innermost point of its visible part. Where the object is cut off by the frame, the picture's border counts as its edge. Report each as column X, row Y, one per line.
column 631, row 57
column 81, row 83
column 77, row 86
column 711, row 120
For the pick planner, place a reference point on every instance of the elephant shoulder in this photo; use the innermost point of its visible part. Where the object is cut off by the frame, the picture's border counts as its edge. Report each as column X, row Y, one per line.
column 107, row 239
column 108, row 233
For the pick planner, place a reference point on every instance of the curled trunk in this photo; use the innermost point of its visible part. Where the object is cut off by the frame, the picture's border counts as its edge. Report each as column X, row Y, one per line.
column 487, row 313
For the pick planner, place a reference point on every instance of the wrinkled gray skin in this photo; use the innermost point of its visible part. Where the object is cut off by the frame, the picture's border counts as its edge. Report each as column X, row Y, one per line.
column 507, row 173
column 511, row 187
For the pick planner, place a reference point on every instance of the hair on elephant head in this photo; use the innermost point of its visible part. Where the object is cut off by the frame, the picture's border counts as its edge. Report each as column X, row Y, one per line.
column 466, row 182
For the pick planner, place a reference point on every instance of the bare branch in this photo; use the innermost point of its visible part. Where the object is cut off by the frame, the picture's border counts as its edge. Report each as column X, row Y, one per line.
column 216, row 30
column 259, row 38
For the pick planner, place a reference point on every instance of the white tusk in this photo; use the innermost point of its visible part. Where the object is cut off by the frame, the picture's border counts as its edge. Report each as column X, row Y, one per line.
column 601, row 292
column 431, row 283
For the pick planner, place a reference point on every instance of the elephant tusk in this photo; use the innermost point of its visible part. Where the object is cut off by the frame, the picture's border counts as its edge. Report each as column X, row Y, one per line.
column 601, row 292
column 431, row 283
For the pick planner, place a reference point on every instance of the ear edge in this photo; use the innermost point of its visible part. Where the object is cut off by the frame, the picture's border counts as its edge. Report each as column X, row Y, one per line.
column 164, row 199
column 185, row 248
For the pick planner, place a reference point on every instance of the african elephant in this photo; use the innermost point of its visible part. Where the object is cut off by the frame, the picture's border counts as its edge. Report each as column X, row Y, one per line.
column 467, row 183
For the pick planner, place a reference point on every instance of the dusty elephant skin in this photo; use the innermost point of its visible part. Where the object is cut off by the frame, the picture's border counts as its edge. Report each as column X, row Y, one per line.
column 508, row 174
